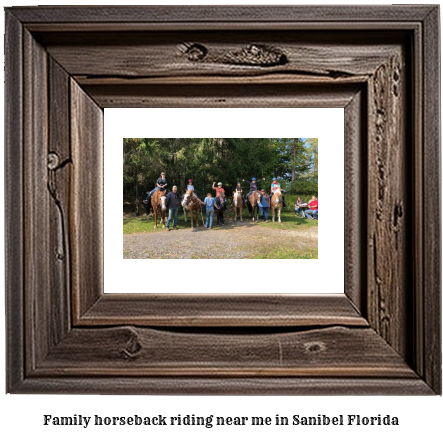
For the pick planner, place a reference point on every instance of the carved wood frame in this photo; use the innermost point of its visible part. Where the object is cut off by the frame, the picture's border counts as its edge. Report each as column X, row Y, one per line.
column 65, row 336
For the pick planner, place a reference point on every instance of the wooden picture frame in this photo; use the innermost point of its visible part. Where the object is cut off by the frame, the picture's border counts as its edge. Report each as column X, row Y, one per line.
column 65, row 64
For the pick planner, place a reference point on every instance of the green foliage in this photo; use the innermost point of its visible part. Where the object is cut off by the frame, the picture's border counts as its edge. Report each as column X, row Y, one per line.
column 303, row 187
column 208, row 160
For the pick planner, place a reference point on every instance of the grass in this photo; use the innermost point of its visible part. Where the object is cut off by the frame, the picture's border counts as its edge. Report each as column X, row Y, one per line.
column 133, row 224
column 288, row 253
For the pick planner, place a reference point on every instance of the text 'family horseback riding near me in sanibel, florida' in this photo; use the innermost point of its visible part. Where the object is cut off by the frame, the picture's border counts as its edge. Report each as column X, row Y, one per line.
column 210, row 421
column 220, row 198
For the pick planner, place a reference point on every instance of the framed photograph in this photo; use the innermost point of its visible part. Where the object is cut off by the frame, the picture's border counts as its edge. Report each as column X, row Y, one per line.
column 65, row 65
column 237, row 249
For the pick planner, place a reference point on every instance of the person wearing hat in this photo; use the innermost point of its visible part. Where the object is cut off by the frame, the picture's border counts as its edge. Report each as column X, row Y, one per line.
column 252, row 186
column 190, row 187
column 218, row 191
column 275, row 186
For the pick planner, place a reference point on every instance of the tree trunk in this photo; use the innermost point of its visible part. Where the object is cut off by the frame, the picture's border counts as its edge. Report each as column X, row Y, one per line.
column 294, row 156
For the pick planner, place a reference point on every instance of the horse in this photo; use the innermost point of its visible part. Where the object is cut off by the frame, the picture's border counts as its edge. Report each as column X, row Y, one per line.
column 158, row 202
column 191, row 203
column 237, row 203
column 276, row 204
column 254, row 200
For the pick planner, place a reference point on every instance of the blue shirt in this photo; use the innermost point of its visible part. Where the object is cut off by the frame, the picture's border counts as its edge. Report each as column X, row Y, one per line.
column 263, row 202
column 209, row 203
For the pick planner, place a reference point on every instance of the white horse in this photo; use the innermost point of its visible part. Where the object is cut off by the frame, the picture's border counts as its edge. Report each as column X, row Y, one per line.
column 237, row 203
column 276, row 204
column 191, row 203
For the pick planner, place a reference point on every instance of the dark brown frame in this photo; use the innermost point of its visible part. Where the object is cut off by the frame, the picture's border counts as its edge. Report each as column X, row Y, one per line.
column 64, row 65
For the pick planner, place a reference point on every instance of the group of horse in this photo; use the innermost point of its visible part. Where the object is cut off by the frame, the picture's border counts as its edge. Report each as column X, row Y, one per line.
column 253, row 201
column 191, row 204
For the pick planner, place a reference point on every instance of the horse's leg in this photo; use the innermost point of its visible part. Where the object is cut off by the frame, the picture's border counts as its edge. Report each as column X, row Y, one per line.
column 273, row 214
column 196, row 217
column 279, row 213
column 155, row 216
column 241, row 214
column 191, row 213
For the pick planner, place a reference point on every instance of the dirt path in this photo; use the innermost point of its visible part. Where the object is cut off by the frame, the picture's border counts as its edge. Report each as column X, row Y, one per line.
column 241, row 240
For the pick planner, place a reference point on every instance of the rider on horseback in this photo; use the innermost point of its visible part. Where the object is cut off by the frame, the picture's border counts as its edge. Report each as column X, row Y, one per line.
column 161, row 185
column 238, row 189
column 190, row 188
column 252, row 186
column 276, row 186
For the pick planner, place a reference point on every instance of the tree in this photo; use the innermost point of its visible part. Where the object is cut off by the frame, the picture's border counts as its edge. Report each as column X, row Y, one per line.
column 313, row 150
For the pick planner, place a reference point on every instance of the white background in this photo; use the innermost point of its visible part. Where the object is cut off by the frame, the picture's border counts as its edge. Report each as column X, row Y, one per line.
column 327, row 124
column 21, row 415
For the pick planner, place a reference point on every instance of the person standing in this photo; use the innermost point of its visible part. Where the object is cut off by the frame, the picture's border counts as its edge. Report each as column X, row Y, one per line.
column 220, row 206
column 209, row 202
column 313, row 209
column 264, row 205
column 173, row 200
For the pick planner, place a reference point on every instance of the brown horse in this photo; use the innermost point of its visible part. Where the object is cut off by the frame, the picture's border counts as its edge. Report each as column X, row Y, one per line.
column 237, row 203
column 158, row 202
column 276, row 204
column 191, row 203
column 254, row 200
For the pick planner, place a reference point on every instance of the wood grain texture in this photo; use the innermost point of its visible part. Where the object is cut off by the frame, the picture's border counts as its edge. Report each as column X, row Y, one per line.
column 227, row 14
column 355, row 195
column 226, row 386
column 387, row 204
column 239, row 310
column 38, row 309
column 226, row 96
column 86, row 207
column 129, row 351
column 160, row 54
column 14, row 239
column 431, row 317
column 59, row 184
column 55, row 91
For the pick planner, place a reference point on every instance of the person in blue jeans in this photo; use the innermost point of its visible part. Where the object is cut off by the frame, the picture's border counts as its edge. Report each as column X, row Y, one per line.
column 173, row 201
column 161, row 184
column 264, row 205
column 209, row 202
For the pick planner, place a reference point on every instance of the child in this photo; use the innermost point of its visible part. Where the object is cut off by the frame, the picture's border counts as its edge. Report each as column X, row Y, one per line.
column 238, row 189
column 252, row 186
column 220, row 206
column 190, row 187
column 219, row 189
column 276, row 186
column 209, row 202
